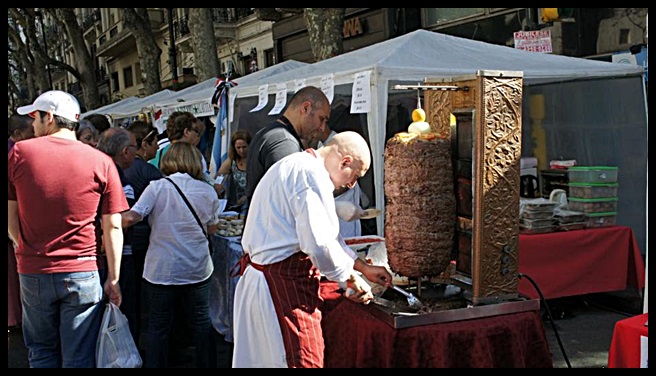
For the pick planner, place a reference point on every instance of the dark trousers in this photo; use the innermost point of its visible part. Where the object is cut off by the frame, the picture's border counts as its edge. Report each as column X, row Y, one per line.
column 130, row 290
column 161, row 301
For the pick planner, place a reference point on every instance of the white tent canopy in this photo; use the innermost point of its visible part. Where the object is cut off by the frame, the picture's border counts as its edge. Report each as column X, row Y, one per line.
column 420, row 54
column 196, row 99
column 108, row 108
column 142, row 105
column 590, row 93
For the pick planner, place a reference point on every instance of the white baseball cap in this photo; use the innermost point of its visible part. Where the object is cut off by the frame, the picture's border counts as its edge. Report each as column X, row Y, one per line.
column 59, row 102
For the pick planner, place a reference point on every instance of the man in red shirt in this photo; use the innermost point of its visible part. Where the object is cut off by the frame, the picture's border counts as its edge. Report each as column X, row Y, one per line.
column 56, row 188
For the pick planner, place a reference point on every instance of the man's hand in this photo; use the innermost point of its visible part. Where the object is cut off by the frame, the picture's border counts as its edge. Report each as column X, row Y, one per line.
column 113, row 292
column 373, row 273
column 348, row 211
column 358, row 290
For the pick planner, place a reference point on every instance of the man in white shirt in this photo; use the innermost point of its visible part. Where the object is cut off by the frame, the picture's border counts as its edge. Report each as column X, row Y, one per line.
column 291, row 233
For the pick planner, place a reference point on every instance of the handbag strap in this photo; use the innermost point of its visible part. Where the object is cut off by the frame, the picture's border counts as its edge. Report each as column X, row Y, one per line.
column 189, row 206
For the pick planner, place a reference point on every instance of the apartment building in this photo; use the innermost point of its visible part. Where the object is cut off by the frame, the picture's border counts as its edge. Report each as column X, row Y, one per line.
column 246, row 44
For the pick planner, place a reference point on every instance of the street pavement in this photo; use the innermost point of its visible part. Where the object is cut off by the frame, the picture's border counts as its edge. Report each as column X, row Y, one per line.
column 579, row 335
column 582, row 330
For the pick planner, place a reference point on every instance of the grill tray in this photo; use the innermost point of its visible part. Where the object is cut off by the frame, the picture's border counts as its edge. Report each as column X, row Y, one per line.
column 440, row 308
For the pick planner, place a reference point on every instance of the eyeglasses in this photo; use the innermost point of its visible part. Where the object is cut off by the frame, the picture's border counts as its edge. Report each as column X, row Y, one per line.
column 133, row 146
column 195, row 130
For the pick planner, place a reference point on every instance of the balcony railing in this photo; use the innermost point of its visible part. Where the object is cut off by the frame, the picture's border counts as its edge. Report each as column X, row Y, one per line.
column 219, row 15
column 101, row 74
column 230, row 15
column 181, row 27
column 90, row 20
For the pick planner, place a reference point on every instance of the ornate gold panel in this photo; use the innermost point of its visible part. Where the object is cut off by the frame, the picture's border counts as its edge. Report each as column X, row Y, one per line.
column 437, row 105
column 494, row 98
column 497, row 150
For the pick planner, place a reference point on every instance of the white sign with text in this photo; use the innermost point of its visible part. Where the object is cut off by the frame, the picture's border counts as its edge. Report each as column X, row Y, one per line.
column 328, row 86
column 281, row 99
column 361, row 93
column 263, row 97
column 534, row 40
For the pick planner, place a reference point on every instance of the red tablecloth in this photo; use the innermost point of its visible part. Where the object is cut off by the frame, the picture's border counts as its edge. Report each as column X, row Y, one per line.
column 580, row 262
column 625, row 346
column 355, row 338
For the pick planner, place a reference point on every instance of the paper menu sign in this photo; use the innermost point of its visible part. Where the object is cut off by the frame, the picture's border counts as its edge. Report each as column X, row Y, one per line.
column 281, row 99
column 328, row 86
column 263, row 98
column 361, row 93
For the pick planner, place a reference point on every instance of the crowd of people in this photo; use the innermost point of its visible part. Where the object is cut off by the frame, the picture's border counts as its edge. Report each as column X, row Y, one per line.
column 99, row 213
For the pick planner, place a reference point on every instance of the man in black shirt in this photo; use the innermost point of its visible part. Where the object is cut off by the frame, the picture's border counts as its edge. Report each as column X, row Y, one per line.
column 302, row 123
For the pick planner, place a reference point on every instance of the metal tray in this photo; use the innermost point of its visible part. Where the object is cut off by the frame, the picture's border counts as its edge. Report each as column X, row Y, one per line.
column 399, row 319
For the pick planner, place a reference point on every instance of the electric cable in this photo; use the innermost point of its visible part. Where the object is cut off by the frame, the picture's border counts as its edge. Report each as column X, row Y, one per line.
column 553, row 324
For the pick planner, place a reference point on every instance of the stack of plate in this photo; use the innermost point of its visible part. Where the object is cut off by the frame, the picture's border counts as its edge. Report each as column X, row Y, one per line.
column 567, row 220
column 536, row 216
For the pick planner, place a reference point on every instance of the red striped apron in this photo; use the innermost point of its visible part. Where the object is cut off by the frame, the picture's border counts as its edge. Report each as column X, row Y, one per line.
column 294, row 287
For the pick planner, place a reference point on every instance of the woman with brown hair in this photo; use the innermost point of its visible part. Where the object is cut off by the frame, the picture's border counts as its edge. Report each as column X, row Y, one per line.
column 233, row 170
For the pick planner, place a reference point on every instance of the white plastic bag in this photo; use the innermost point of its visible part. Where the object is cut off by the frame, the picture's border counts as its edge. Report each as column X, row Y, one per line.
column 115, row 347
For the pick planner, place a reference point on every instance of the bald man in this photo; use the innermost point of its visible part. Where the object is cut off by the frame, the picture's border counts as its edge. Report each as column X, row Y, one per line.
column 291, row 233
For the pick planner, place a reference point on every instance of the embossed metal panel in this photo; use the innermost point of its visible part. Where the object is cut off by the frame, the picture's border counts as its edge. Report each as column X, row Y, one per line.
column 491, row 104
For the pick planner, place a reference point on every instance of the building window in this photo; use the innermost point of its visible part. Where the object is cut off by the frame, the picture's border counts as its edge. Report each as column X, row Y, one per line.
column 624, row 36
column 114, row 80
column 269, row 58
column 439, row 16
column 128, row 79
column 137, row 72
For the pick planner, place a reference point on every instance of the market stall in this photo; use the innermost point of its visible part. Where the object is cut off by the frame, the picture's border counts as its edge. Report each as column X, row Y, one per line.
column 501, row 99
column 606, row 260
column 505, row 340
column 594, row 112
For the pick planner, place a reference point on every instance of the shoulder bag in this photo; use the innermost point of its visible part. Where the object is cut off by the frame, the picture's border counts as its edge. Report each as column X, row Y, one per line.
column 209, row 243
